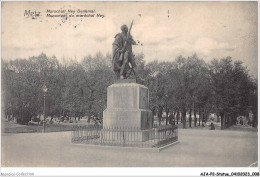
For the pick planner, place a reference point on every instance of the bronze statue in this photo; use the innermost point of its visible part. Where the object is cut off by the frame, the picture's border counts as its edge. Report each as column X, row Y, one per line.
column 122, row 53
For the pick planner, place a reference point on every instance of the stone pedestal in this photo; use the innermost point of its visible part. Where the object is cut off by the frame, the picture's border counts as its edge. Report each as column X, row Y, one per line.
column 128, row 110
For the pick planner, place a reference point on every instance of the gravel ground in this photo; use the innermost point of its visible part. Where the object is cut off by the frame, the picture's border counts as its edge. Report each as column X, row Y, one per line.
column 197, row 148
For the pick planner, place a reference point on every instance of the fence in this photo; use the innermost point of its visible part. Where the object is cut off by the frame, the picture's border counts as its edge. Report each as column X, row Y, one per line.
column 125, row 136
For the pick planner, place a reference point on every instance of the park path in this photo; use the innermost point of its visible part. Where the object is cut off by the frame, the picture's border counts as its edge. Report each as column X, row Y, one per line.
column 197, row 148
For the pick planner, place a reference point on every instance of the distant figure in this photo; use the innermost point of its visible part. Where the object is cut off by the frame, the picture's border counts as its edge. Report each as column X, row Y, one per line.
column 122, row 53
column 212, row 127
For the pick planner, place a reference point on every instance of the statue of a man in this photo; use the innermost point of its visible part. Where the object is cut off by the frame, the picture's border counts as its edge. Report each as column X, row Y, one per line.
column 122, row 53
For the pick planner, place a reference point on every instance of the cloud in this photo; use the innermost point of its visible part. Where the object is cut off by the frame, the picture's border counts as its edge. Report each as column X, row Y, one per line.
column 208, row 45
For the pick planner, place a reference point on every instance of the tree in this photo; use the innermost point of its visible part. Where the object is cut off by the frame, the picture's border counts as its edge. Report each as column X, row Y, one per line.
column 76, row 88
column 98, row 76
column 231, row 89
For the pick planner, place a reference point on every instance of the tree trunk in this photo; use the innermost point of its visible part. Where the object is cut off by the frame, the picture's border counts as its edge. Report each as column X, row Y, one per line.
column 222, row 121
column 167, row 118
column 195, row 118
column 207, row 116
column 178, row 117
column 183, row 117
column 190, row 119
column 217, row 116
column 174, row 118
column 227, row 121
column 199, row 117
column 234, row 120
column 247, row 117
column 203, row 118
column 160, row 115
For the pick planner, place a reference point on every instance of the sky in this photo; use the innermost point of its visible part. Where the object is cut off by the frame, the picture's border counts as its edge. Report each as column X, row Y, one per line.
column 165, row 30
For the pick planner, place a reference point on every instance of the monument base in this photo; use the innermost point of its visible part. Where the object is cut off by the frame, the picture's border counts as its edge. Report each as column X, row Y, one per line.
column 127, row 118
column 127, row 106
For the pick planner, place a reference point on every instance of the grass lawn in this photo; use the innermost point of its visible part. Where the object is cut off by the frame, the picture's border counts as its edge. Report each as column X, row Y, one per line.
column 11, row 127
